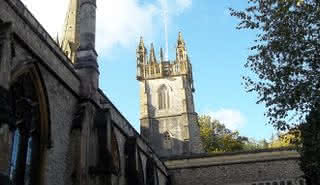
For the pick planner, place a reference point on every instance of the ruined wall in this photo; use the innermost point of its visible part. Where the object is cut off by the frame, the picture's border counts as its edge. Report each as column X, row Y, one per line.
column 256, row 168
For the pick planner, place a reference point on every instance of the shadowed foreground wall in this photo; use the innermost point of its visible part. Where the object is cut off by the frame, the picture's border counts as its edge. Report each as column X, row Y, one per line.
column 63, row 137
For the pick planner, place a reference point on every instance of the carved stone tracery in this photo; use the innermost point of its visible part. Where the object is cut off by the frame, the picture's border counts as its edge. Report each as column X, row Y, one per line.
column 26, row 145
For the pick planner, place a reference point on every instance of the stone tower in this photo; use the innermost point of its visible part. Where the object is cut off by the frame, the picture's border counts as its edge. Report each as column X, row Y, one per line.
column 167, row 115
column 78, row 43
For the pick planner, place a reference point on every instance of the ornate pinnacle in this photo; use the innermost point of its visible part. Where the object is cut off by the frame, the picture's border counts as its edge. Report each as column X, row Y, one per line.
column 141, row 51
column 180, row 40
column 152, row 54
column 141, row 44
column 161, row 54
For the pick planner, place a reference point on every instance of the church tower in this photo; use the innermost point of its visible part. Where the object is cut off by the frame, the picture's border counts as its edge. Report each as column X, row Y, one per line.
column 167, row 114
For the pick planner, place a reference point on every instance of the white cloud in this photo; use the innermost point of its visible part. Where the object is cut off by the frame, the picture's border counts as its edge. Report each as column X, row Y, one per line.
column 50, row 13
column 233, row 119
column 183, row 4
column 119, row 23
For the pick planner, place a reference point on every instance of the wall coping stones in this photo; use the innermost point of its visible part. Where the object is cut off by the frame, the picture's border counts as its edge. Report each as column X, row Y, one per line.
column 232, row 158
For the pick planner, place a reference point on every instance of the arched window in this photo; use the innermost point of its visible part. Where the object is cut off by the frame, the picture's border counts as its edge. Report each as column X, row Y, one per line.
column 163, row 97
column 108, row 163
column 115, row 152
column 29, row 107
column 134, row 168
column 151, row 178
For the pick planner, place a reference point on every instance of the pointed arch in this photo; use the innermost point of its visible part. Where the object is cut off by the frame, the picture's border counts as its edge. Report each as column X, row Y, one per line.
column 152, row 178
column 134, row 172
column 163, row 97
column 115, row 152
column 31, row 130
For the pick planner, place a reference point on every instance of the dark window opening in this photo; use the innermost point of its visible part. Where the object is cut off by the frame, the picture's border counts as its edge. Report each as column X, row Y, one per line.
column 25, row 153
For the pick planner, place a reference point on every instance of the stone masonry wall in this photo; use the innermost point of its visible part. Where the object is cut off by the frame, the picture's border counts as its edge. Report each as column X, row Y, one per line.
column 237, row 169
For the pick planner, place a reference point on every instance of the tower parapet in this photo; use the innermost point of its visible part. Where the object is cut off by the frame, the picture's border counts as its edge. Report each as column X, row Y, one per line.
column 149, row 67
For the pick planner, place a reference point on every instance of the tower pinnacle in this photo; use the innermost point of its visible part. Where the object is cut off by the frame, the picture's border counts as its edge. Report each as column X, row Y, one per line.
column 141, row 52
column 152, row 58
column 141, row 43
column 180, row 40
column 161, row 55
column 70, row 39
column 181, row 53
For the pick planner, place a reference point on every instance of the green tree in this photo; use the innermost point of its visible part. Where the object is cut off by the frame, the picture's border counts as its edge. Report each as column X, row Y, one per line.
column 286, row 61
column 287, row 139
column 217, row 138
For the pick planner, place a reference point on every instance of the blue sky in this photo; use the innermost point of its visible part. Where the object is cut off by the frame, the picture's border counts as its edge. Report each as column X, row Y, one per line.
column 217, row 50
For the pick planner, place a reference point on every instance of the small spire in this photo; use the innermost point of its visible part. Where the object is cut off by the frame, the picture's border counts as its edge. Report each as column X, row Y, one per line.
column 161, row 54
column 181, row 51
column 70, row 39
column 141, row 51
column 152, row 54
column 141, row 43
column 180, row 40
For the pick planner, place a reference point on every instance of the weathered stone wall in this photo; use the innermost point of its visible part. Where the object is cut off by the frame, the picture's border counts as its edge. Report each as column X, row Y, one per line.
column 62, row 105
column 257, row 168
column 33, row 46
column 125, row 130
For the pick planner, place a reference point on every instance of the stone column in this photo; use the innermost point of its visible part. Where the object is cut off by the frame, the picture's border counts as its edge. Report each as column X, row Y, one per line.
column 86, row 64
column 5, row 69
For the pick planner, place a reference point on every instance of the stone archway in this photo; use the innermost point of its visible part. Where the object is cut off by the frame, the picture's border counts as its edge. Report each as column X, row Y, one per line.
column 30, row 132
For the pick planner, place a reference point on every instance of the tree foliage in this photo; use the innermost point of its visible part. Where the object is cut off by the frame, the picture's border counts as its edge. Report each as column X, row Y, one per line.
column 287, row 139
column 286, row 57
column 217, row 138
column 286, row 61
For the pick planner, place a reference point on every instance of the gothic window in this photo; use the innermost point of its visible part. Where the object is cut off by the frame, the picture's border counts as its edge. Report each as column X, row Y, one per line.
column 167, row 140
column 25, row 153
column 134, row 172
column 163, row 97
column 108, row 150
column 152, row 176
column 115, row 152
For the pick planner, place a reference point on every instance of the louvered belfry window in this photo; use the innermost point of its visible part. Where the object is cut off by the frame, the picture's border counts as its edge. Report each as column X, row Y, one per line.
column 163, row 98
